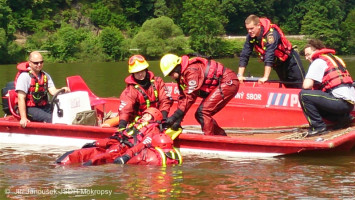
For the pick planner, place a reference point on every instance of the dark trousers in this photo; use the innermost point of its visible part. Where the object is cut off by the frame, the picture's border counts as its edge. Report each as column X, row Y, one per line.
column 40, row 114
column 317, row 104
column 291, row 71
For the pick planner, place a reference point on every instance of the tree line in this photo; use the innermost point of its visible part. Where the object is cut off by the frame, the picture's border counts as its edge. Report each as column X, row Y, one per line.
column 112, row 30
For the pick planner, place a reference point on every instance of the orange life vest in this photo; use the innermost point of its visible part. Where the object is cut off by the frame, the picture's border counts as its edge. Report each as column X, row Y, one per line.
column 213, row 71
column 336, row 74
column 37, row 93
column 283, row 49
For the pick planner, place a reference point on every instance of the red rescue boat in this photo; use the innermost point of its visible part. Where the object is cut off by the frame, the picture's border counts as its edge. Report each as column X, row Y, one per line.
column 262, row 120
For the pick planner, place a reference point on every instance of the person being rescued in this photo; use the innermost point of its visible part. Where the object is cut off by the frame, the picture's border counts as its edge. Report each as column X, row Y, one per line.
column 140, row 143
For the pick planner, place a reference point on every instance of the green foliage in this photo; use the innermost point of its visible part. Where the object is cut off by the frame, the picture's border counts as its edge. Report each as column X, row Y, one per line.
column 111, row 40
column 160, row 8
column 159, row 36
column 100, row 15
column 230, row 48
column 91, row 49
column 204, row 25
column 95, row 30
column 348, row 27
column 63, row 44
column 36, row 41
column 323, row 21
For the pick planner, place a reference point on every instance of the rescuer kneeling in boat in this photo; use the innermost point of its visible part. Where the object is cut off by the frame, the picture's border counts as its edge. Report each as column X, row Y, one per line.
column 143, row 90
column 200, row 77
column 327, row 90
column 140, row 143
column 32, row 86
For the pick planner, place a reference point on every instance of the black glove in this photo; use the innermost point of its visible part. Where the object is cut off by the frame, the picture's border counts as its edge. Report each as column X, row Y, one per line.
column 122, row 124
column 178, row 114
column 165, row 115
column 89, row 145
column 122, row 159
column 118, row 134
column 176, row 125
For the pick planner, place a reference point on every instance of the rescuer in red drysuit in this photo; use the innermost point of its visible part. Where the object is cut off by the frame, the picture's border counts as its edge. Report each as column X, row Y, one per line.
column 200, row 77
column 129, row 142
column 143, row 90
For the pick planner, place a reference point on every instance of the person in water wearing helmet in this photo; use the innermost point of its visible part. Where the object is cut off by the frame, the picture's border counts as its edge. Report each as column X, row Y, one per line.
column 200, row 77
column 143, row 90
column 129, row 142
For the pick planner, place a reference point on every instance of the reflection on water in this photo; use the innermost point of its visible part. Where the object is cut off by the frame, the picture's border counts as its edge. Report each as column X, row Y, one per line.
column 33, row 174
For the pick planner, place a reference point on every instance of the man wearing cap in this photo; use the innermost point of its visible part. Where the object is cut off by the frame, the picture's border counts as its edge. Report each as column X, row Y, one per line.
column 200, row 77
column 143, row 90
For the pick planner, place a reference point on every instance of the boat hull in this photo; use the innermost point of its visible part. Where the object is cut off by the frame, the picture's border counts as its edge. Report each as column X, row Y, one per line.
column 236, row 145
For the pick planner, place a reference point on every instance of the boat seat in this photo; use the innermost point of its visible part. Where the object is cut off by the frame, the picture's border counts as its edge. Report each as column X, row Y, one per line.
column 12, row 96
column 76, row 83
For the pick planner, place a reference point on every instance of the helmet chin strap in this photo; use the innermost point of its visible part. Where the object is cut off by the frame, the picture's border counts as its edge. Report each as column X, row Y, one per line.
column 145, row 83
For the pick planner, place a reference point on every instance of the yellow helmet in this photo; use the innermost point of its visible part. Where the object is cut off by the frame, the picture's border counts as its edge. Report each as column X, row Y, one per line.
column 137, row 63
column 168, row 62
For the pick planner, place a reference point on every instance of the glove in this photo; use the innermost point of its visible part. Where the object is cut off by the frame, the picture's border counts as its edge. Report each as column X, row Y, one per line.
column 176, row 126
column 177, row 115
column 118, row 134
column 165, row 115
column 122, row 124
column 170, row 121
column 89, row 145
column 122, row 159
column 147, row 141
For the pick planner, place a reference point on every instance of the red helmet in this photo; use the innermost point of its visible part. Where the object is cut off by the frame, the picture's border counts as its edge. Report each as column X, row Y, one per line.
column 155, row 113
column 162, row 141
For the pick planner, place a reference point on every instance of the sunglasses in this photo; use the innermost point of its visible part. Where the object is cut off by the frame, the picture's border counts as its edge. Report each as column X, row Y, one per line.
column 135, row 58
column 37, row 63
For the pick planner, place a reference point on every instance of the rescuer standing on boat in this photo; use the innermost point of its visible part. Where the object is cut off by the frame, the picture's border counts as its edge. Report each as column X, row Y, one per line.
column 274, row 50
column 327, row 90
column 200, row 77
column 32, row 87
column 143, row 90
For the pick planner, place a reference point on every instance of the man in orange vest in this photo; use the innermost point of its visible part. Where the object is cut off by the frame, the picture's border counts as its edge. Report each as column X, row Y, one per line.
column 274, row 50
column 327, row 90
column 32, row 87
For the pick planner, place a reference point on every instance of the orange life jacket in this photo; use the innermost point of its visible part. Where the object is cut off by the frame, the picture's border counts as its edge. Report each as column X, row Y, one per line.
column 213, row 71
column 283, row 49
column 336, row 74
column 37, row 93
